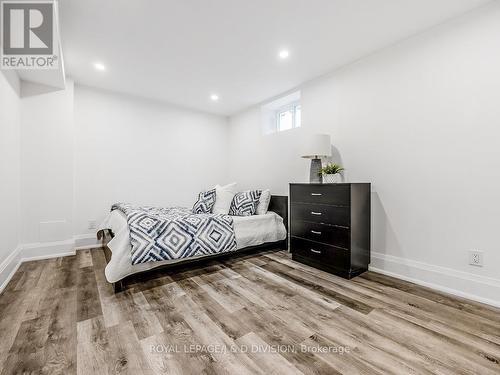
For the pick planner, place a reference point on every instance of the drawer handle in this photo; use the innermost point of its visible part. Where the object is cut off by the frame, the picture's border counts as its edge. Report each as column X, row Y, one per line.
column 316, row 213
column 316, row 251
column 314, row 232
column 316, row 194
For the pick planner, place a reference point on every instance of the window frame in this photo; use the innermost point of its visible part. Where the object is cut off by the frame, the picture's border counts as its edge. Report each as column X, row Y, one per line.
column 290, row 107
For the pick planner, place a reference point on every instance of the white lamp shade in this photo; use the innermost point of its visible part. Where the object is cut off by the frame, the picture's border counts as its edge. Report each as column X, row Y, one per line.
column 317, row 146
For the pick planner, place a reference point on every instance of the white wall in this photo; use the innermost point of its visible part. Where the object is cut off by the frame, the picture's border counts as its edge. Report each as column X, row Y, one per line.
column 421, row 122
column 47, row 131
column 144, row 152
column 9, row 164
column 264, row 161
column 84, row 149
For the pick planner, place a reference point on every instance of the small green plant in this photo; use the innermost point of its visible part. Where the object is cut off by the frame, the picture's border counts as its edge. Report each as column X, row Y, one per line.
column 332, row 169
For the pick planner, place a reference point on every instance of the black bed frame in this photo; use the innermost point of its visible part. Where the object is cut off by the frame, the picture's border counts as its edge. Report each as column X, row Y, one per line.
column 278, row 204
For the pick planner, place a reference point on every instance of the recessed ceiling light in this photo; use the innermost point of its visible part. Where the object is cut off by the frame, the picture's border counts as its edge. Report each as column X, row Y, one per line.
column 100, row 67
column 214, row 97
column 284, row 54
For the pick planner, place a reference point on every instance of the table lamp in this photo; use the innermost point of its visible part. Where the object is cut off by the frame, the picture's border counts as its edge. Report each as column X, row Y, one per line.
column 316, row 147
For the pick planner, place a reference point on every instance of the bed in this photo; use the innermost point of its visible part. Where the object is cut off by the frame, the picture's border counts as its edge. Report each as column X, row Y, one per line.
column 252, row 233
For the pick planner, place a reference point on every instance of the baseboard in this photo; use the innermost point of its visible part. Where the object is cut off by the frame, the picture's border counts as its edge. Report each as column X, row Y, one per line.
column 33, row 251
column 86, row 241
column 9, row 267
column 462, row 284
column 47, row 250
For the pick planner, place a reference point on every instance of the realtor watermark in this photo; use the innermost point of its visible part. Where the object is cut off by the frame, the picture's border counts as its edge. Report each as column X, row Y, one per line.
column 28, row 35
column 254, row 348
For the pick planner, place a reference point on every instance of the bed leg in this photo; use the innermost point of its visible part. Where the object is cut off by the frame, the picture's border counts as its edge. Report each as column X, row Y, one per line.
column 284, row 245
column 118, row 286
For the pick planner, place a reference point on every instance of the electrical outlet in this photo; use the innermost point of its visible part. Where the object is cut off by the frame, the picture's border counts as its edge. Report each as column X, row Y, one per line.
column 476, row 258
column 92, row 224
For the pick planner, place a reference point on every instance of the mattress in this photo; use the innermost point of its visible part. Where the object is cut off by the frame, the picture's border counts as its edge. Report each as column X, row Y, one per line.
column 249, row 231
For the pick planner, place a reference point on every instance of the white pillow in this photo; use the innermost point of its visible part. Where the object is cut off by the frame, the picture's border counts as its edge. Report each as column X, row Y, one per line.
column 264, row 200
column 223, row 197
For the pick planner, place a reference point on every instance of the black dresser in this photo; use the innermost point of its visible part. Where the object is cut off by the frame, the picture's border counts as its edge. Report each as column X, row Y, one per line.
column 330, row 227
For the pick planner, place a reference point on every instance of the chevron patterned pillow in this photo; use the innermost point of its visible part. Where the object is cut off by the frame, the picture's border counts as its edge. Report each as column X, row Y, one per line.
column 245, row 203
column 205, row 202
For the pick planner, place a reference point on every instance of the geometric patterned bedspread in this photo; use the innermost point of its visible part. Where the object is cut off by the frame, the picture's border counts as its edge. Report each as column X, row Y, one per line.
column 158, row 234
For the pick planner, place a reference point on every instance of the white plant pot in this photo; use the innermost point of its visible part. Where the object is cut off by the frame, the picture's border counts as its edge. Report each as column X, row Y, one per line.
column 332, row 178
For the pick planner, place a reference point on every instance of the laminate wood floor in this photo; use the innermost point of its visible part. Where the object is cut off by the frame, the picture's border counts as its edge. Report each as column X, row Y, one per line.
column 256, row 314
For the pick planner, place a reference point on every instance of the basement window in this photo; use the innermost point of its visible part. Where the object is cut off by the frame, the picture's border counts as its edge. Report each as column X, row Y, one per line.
column 288, row 117
column 282, row 114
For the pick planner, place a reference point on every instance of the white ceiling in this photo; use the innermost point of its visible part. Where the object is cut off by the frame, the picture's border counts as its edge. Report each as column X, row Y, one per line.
column 181, row 51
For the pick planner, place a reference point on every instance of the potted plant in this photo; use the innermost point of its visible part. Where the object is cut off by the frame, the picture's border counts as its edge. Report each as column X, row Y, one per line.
column 331, row 173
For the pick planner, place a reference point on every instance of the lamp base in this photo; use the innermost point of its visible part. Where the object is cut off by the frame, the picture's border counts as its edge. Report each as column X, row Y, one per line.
column 315, row 176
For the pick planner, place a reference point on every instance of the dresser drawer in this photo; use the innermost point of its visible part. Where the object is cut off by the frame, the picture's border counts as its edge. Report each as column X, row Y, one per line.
column 321, row 214
column 327, row 234
column 323, row 194
column 321, row 253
